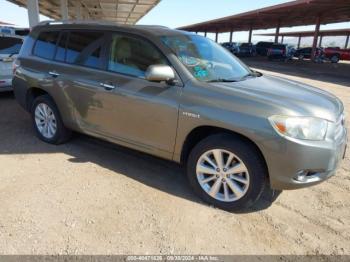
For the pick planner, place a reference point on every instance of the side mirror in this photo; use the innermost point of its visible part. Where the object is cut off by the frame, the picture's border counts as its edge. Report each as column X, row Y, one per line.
column 159, row 73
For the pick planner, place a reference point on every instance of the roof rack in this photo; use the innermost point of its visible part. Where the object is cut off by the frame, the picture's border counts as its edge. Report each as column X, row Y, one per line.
column 73, row 22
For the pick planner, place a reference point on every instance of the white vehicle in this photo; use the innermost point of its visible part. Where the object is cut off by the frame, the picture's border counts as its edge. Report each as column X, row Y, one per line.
column 11, row 40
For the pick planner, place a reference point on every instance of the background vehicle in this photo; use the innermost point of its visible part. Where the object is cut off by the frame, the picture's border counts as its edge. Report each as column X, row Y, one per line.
column 280, row 51
column 337, row 54
column 263, row 47
column 246, row 49
column 10, row 46
column 232, row 47
column 305, row 53
column 9, row 30
column 182, row 97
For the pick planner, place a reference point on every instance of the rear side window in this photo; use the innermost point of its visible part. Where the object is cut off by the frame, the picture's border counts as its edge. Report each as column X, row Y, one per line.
column 45, row 45
column 85, row 48
column 10, row 45
column 61, row 48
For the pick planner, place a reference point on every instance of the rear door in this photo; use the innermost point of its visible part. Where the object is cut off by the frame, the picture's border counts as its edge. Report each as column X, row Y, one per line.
column 78, row 74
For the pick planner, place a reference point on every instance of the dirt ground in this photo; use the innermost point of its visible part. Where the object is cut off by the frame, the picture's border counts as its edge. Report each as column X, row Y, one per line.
column 91, row 197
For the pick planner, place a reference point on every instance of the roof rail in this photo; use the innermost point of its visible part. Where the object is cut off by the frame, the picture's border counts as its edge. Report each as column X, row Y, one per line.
column 72, row 22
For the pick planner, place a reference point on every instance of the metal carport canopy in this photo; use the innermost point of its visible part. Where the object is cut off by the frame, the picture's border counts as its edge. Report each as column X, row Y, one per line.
column 295, row 13
column 331, row 32
column 120, row 11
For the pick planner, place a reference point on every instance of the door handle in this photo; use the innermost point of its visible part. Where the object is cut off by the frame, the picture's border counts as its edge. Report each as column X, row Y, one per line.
column 107, row 86
column 54, row 74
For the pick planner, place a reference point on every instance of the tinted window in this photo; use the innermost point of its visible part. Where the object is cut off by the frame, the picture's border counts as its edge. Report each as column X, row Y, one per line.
column 45, row 45
column 280, row 47
column 84, row 48
column 132, row 56
column 61, row 47
column 10, row 45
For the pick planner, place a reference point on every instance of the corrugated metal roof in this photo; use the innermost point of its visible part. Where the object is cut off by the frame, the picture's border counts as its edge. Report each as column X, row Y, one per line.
column 120, row 11
column 331, row 32
column 294, row 13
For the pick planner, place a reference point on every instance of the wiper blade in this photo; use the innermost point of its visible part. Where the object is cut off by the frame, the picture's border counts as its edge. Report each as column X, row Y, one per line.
column 218, row 80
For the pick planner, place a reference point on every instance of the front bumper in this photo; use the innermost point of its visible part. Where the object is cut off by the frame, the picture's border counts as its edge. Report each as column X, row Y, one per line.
column 296, row 164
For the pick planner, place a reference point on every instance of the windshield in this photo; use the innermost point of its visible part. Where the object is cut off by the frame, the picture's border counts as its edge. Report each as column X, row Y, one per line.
column 206, row 60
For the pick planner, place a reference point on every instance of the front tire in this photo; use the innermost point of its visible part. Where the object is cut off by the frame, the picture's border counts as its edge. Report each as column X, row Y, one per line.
column 227, row 172
column 47, row 121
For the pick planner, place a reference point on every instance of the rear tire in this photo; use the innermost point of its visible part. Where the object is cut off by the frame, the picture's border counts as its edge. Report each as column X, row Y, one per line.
column 47, row 121
column 335, row 59
column 232, row 186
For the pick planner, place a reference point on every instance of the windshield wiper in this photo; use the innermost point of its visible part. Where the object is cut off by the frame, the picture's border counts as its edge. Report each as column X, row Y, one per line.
column 224, row 80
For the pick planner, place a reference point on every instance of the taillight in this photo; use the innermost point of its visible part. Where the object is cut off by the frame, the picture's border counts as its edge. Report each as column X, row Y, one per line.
column 15, row 65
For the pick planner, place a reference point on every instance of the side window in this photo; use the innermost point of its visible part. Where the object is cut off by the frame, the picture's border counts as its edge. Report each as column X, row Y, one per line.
column 132, row 56
column 10, row 45
column 45, row 45
column 84, row 48
column 61, row 47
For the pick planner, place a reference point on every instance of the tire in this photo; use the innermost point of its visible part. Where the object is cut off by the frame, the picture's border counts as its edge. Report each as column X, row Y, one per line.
column 335, row 59
column 254, row 178
column 59, row 134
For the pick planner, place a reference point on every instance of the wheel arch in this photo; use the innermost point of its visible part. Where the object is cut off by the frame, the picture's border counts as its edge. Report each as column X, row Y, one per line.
column 31, row 94
column 202, row 132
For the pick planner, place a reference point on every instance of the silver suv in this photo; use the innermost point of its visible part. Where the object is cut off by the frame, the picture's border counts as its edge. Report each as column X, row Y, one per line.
column 9, row 49
column 184, row 98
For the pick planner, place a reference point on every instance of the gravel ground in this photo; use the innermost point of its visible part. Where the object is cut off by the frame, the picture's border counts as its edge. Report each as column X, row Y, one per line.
column 91, row 197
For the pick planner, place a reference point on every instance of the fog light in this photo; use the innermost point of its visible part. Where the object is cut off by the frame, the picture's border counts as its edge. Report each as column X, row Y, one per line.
column 301, row 176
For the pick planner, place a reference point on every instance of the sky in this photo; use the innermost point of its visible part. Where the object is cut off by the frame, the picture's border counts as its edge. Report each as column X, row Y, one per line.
column 176, row 13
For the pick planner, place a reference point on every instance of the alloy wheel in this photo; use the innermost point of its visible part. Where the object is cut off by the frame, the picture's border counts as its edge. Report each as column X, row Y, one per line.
column 222, row 175
column 45, row 121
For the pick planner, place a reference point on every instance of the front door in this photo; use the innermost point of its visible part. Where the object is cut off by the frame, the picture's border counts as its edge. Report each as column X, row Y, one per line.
column 139, row 112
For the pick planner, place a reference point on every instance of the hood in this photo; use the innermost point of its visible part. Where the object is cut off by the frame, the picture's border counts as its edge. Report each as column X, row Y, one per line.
column 292, row 97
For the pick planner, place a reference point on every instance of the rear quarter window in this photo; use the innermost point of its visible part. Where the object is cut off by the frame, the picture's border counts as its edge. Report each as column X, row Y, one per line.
column 45, row 45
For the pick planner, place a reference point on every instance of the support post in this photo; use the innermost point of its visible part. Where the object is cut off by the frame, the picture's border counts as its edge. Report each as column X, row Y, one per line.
column 205, row 33
column 320, row 42
column 317, row 32
column 277, row 32
column 33, row 12
column 78, row 14
column 216, row 36
column 64, row 9
column 231, row 36
column 347, row 42
column 250, row 35
column 282, row 39
column 299, row 41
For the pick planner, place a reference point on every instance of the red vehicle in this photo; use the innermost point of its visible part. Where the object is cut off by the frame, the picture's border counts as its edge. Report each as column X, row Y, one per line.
column 335, row 54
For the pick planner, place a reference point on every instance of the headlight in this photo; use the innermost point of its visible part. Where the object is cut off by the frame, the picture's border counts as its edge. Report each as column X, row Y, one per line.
column 306, row 128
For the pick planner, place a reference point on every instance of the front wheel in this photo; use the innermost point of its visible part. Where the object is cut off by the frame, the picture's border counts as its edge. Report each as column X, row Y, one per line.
column 227, row 172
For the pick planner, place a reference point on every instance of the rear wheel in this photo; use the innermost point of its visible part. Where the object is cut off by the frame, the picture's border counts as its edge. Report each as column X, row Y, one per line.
column 227, row 172
column 47, row 121
column 335, row 59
